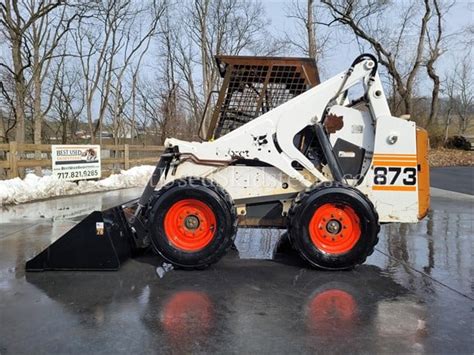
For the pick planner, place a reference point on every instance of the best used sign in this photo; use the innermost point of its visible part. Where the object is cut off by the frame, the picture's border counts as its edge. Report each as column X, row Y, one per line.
column 76, row 162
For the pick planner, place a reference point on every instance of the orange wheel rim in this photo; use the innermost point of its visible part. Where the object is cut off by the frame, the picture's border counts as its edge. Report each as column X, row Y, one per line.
column 190, row 225
column 334, row 228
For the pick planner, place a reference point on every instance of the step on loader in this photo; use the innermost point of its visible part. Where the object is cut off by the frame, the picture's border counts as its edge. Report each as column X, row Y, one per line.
column 326, row 161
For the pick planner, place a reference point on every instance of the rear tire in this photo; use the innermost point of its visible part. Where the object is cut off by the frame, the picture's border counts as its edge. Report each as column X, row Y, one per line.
column 193, row 222
column 333, row 227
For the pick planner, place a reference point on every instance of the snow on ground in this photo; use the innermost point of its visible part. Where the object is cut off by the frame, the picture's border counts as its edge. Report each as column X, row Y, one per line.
column 33, row 187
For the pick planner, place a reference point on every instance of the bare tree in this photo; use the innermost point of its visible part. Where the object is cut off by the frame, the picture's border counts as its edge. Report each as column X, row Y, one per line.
column 435, row 52
column 390, row 40
column 310, row 30
column 136, row 43
column 68, row 102
column 44, row 38
column 215, row 27
column 95, row 44
column 17, row 19
column 449, row 89
column 7, row 98
column 151, row 114
column 435, row 38
column 459, row 88
column 133, row 118
column 107, row 43
column 91, row 49
column 310, row 39
column 200, row 14
column 170, row 88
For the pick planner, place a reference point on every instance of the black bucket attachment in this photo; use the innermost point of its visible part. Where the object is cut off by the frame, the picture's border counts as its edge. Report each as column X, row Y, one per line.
column 101, row 241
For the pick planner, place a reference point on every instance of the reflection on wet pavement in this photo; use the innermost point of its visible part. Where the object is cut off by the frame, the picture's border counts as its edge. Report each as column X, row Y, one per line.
column 439, row 246
column 280, row 308
column 401, row 300
column 258, row 243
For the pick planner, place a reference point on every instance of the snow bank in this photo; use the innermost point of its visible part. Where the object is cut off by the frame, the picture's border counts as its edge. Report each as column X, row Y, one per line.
column 33, row 187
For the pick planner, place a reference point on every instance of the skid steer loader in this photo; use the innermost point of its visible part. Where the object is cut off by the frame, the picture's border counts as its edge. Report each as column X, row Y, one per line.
column 280, row 150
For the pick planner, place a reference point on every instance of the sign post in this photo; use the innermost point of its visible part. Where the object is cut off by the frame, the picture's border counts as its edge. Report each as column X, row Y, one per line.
column 76, row 162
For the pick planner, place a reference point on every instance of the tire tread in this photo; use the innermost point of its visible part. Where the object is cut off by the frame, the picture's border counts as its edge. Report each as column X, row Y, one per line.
column 220, row 191
column 300, row 200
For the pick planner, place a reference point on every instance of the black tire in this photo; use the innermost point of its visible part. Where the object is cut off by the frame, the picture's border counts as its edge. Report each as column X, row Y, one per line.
column 213, row 196
column 302, row 211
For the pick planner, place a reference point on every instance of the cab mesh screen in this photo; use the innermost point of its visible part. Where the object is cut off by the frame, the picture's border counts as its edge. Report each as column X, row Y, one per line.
column 256, row 89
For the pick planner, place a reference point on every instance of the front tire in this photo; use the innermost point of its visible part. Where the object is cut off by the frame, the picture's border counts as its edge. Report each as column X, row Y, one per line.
column 333, row 227
column 192, row 222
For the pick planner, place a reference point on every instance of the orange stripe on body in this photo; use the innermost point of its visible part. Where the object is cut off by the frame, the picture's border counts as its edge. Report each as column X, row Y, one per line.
column 393, row 188
column 393, row 163
column 395, row 158
column 395, row 155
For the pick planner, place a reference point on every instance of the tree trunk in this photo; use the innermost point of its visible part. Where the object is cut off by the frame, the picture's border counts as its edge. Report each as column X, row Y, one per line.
column 3, row 138
column 134, row 98
column 464, row 122
column 37, row 86
column 434, row 99
column 446, row 127
column 89, row 122
column 37, row 116
column 434, row 55
column 311, row 34
column 64, row 132
column 20, row 88
column 407, row 103
column 203, row 32
column 20, row 114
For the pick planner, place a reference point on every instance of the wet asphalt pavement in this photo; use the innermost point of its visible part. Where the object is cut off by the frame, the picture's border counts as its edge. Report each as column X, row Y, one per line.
column 413, row 295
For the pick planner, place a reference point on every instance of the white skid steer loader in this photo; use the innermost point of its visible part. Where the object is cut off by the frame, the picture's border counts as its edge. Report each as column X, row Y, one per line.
column 328, row 169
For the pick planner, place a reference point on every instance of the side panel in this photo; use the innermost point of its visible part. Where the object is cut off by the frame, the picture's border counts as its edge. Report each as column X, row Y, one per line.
column 246, row 184
column 392, row 180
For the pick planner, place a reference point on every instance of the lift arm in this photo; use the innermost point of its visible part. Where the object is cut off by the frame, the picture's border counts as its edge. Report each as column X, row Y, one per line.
column 269, row 138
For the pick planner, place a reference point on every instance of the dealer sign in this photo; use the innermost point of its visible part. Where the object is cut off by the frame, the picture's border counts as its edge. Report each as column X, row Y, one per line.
column 76, row 162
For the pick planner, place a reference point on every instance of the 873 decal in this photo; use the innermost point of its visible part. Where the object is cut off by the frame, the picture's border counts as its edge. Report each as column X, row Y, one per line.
column 394, row 175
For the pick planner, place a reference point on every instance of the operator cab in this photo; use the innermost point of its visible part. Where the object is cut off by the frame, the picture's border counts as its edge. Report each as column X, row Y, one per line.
column 253, row 86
